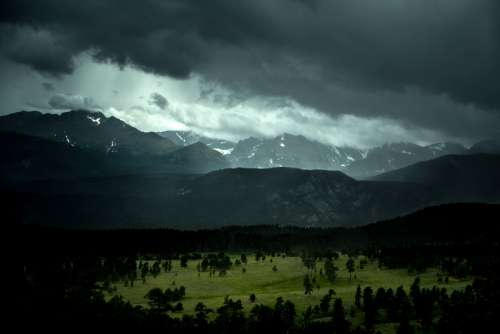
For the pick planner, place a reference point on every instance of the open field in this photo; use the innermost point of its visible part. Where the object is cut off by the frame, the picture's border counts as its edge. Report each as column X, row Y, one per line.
column 267, row 284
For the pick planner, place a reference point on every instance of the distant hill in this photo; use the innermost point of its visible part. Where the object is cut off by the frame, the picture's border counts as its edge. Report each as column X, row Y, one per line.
column 277, row 196
column 471, row 222
column 280, row 196
column 447, row 169
column 474, row 177
column 486, row 147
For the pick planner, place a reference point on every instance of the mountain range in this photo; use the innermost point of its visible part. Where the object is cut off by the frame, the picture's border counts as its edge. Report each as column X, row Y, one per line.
column 88, row 130
column 295, row 151
column 59, row 170
column 93, row 131
column 102, row 145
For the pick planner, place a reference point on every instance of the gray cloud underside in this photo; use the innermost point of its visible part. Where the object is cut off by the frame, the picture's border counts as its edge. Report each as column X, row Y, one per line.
column 413, row 61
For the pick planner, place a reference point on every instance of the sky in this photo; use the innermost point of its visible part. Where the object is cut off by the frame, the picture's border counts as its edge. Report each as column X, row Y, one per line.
column 345, row 72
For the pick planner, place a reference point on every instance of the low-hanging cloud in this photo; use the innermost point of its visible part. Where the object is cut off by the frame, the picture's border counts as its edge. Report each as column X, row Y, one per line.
column 69, row 102
column 260, row 117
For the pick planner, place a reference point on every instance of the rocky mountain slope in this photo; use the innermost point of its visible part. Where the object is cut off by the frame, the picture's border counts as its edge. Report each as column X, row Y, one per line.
column 101, row 146
column 88, row 130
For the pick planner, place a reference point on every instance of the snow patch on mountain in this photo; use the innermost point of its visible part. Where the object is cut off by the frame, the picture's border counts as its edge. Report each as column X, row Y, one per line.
column 112, row 147
column 70, row 143
column 224, row 151
column 180, row 137
column 95, row 120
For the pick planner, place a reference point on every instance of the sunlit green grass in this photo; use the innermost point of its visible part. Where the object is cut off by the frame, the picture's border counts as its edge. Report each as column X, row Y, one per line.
column 267, row 285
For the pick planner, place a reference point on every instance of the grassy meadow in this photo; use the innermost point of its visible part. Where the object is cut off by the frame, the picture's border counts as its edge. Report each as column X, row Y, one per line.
column 287, row 282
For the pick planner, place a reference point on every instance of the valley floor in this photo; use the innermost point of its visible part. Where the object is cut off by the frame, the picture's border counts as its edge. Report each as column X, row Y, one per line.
column 287, row 282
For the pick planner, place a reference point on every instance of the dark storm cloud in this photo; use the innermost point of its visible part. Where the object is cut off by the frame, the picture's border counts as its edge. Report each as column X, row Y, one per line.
column 338, row 56
column 42, row 50
column 158, row 100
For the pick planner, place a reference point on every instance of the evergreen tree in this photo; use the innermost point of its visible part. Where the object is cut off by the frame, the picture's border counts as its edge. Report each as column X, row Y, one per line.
column 156, row 298
column 178, row 307
column 351, row 267
column 369, row 307
column 330, row 270
column 357, row 297
column 184, row 261
column 230, row 317
column 204, row 264
column 379, row 301
column 324, row 303
column 284, row 314
column 201, row 315
column 415, row 290
column 340, row 324
column 308, row 286
column 404, row 322
column 402, row 304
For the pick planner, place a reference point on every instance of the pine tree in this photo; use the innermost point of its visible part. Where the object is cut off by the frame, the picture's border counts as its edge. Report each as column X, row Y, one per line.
column 368, row 307
column 324, row 304
column 351, row 266
column 330, row 270
column 340, row 323
column 357, row 297
column 415, row 290
column 404, row 323
column 308, row 287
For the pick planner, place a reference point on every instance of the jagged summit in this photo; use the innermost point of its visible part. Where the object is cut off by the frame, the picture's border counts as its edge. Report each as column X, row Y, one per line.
column 87, row 129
